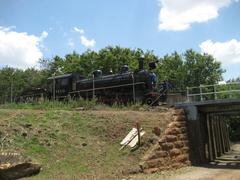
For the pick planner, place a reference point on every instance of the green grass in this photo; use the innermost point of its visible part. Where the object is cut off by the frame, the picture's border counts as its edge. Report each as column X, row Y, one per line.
column 72, row 104
column 46, row 105
column 55, row 139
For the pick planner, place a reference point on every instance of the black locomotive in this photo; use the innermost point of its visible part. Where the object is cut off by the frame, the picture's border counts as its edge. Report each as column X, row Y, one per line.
column 126, row 86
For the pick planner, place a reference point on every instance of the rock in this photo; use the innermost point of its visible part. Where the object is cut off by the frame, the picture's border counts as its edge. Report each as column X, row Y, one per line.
column 179, row 112
column 161, row 154
column 182, row 158
column 180, row 118
column 152, row 140
column 175, row 152
column 80, row 109
column 150, row 171
column 176, row 165
column 84, row 144
column 173, row 131
column 178, row 144
column 19, row 171
column 156, row 131
column 28, row 125
column 133, row 170
column 24, row 134
column 162, row 140
column 167, row 146
column 14, row 166
column 183, row 137
column 171, row 138
column 177, row 124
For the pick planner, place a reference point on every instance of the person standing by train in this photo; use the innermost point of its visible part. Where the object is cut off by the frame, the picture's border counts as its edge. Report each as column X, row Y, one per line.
column 153, row 79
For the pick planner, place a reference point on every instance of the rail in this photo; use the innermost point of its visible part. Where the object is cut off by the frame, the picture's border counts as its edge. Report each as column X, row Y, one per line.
column 213, row 92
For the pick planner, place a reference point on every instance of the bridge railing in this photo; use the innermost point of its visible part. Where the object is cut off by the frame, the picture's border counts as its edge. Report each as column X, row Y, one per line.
column 213, row 92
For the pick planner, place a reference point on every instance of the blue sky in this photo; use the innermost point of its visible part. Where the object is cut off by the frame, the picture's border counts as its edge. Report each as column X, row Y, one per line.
column 163, row 26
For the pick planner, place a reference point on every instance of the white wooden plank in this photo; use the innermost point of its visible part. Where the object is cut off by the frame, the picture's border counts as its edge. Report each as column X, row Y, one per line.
column 129, row 136
column 135, row 140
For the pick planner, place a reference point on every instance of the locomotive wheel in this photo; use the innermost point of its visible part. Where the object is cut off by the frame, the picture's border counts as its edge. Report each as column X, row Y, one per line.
column 149, row 101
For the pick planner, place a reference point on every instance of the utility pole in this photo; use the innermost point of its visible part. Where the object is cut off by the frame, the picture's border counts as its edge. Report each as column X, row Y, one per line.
column 54, row 87
column 11, row 89
column 93, row 96
column 138, row 133
column 12, row 86
column 133, row 86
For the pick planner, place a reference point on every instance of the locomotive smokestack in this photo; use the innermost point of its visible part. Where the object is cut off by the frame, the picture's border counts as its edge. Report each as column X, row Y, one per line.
column 141, row 62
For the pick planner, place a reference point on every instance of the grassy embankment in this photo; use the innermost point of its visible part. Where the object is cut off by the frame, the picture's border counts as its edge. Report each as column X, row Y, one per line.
column 75, row 144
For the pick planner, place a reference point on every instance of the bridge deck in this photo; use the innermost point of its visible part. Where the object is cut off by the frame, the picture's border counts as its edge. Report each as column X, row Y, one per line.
column 209, row 102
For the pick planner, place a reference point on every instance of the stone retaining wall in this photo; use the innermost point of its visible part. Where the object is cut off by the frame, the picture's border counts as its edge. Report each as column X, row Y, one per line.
column 172, row 149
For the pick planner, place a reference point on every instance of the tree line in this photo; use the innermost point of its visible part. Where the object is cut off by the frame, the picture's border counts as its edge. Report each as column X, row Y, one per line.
column 182, row 70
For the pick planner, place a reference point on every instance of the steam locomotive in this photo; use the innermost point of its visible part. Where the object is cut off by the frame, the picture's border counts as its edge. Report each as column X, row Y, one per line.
column 123, row 87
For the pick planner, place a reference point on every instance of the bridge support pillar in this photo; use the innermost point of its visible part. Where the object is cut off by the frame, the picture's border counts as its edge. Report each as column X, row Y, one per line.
column 197, row 135
column 208, row 135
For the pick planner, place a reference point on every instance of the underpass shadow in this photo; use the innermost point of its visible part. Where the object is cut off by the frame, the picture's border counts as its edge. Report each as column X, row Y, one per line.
column 229, row 160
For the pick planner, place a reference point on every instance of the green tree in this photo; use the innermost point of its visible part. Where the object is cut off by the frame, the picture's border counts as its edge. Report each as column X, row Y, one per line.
column 201, row 69
column 112, row 58
column 171, row 68
column 107, row 59
column 19, row 80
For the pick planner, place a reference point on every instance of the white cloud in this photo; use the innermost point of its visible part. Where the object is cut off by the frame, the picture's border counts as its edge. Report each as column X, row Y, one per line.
column 177, row 15
column 43, row 35
column 89, row 43
column 226, row 52
column 19, row 49
column 81, row 31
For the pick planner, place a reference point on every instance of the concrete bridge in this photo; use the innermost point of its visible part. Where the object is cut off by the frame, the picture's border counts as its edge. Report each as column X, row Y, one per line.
column 207, row 114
